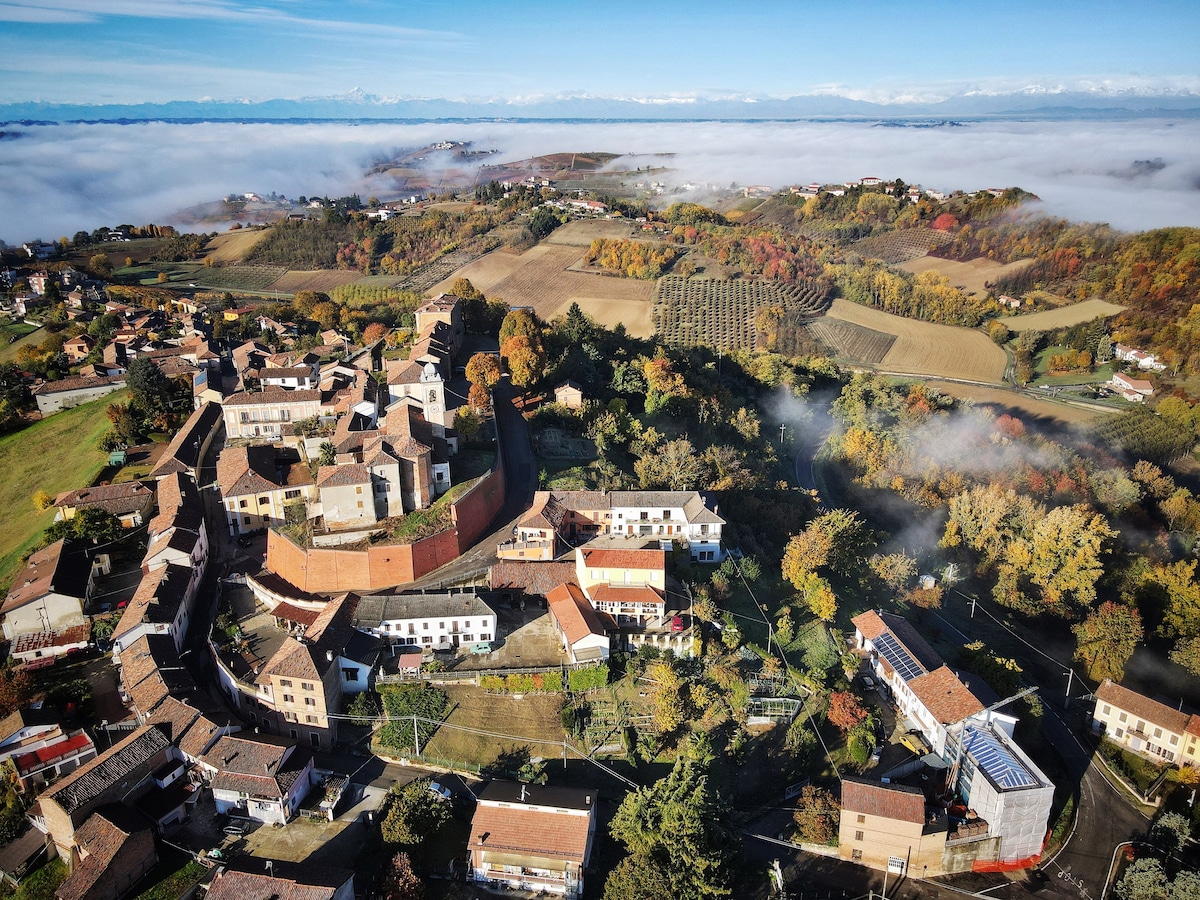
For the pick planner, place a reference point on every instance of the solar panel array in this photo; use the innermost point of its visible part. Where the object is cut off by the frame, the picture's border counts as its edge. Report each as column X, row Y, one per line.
column 997, row 761
column 893, row 651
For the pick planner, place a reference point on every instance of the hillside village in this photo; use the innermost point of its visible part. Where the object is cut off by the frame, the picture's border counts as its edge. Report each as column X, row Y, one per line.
column 339, row 531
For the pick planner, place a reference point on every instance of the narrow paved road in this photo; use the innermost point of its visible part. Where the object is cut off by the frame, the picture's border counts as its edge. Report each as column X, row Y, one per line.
column 520, row 481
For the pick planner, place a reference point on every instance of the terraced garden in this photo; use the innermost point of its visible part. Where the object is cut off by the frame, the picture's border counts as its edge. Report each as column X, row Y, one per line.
column 895, row 247
column 723, row 313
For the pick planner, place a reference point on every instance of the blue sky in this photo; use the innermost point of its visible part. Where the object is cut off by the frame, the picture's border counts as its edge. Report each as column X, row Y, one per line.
column 106, row 51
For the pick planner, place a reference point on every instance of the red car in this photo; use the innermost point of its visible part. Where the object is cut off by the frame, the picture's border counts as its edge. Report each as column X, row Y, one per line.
column 677, row 623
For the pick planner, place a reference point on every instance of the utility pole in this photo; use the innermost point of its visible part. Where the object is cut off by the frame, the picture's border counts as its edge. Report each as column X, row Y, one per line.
column 973, row 601
column 416, row 737
column 781, row 429
column 1070, row 676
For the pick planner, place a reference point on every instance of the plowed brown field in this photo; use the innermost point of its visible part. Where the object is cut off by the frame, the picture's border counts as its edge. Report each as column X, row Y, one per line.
column 922, row 348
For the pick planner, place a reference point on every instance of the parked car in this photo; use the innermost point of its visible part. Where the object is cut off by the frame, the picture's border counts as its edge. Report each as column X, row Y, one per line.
column 868, row 682
column 677, row 623
column 440, row 790
column 234, row 829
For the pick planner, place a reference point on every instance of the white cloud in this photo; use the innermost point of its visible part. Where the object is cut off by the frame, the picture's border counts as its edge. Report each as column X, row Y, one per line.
column 60, row 179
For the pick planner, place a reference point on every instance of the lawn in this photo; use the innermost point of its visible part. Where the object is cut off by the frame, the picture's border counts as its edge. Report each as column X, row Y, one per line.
column 57, row 454
column 24, row 333
column 1100, row 375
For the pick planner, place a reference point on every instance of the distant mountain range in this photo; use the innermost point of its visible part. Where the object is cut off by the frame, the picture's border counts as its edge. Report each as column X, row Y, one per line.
column 359, row 105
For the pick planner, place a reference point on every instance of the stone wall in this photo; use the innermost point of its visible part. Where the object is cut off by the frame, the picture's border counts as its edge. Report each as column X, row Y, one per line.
column 323, row 570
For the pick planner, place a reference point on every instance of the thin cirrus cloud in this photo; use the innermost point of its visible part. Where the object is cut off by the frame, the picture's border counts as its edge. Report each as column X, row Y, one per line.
column 66, row 178
column 88, row 11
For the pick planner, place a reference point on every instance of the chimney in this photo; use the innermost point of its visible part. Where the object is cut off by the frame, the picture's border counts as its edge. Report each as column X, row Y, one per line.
column 329, row 655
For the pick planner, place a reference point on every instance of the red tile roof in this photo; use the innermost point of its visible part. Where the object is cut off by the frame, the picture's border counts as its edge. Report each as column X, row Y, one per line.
column 574, row 614
column 609, row 593
column 625, row 559
column 1144, row 708
column 889, row 801
column 946, row 698
column 531, row 831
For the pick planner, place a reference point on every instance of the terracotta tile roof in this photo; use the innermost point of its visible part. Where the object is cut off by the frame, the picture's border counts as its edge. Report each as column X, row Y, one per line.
column 331, row 630
column 1143, row 707
column 888, row 801
column 63, row 567
column 287, row 881
column 266, row 766
column 272, row 395
column 530, row 831
column 199, row 737
column 946, row 698
column 546, row 512
column 259, row 469
column 175, row 716
column 292, row 613
column 118, row 499
column 612, row 593
column 537, row 578
column 624, row 559
column 105, row 835
column 343, row 476
column 144, row 656
column 76, row 383
column 872, row 624
column 573, row 612
column 182, row 454
column 158, row 598
column 92, row 779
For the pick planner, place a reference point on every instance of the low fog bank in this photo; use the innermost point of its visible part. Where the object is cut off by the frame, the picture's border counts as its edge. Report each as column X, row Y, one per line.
column 63, row 178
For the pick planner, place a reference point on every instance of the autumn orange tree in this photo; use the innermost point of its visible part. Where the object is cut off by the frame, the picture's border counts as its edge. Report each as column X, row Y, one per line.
column 845, row 711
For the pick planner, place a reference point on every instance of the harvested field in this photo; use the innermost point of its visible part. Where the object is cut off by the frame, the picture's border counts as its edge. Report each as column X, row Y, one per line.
column 315, row 280
column 452, row 206
column 581, row 232
column 973, row 276
column 922, row 348
column 237, row 278
column 1063, row 317
column 534, row 716
column 852, row 343
column 633, row 314
column 232, row 246
column 723, row 313
column 1018, row 402
column 540, row 279
column 484, row 272
column 895, row 247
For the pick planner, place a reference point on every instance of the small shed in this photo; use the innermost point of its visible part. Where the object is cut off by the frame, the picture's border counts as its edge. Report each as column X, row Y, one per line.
column 117, row 457
column 409, row 664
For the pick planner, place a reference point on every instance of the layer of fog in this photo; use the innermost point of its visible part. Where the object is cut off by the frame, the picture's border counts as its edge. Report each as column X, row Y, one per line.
column 59, row 179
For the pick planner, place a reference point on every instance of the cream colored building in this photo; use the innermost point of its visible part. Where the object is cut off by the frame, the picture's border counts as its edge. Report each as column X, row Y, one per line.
column 257, row 483
column 263, row 414
column 1146, row 726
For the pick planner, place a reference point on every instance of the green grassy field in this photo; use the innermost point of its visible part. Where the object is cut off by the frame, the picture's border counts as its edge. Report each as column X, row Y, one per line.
column 56, row 454
column 24, row 334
